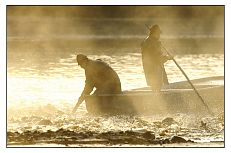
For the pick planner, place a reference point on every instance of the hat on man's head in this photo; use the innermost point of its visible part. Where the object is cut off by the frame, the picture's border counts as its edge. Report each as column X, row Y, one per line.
column 155, row 28
column 80, row 58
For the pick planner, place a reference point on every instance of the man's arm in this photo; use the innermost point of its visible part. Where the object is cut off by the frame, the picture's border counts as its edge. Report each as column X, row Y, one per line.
column 87, row 90
column 165, row 58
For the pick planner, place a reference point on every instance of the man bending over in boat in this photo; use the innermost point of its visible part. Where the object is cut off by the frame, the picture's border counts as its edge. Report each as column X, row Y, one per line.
column 153, row 60
column 99, row 75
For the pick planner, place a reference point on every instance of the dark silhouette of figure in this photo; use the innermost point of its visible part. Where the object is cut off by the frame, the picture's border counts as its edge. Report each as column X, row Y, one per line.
column 153, row 60
column 99, row 75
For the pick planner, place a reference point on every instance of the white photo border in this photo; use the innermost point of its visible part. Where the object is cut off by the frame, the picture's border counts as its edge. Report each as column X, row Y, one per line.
column 3, row 70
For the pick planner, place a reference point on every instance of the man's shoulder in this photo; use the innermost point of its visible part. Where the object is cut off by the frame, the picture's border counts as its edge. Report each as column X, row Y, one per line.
column 98, row 62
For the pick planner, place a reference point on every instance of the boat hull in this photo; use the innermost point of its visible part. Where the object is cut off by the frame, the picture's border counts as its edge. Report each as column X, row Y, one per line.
column 176, row 97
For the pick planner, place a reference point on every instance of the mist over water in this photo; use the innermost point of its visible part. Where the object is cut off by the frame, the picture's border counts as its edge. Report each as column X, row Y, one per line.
column 44, row 80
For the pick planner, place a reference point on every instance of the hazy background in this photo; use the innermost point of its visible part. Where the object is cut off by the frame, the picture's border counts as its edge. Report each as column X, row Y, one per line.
column 44, row 80
column 187, row 29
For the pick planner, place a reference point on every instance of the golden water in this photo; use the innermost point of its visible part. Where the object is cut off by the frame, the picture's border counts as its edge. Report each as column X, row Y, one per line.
column 51, row 93
column 44, row 80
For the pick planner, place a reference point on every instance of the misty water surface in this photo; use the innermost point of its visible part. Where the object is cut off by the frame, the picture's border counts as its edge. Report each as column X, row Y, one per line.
column 44, row 80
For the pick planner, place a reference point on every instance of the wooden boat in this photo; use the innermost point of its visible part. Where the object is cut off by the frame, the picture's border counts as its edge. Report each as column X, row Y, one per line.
column 173, row 98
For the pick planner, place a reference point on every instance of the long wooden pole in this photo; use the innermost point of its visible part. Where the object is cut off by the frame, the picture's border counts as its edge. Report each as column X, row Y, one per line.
column 188, row 80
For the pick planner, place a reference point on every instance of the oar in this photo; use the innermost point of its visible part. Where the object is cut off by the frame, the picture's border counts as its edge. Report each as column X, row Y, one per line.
column 80, row 101
column 188, row 80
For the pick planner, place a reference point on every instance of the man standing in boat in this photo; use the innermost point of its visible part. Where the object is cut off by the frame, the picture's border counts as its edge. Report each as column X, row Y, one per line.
column 153, row 60
column 99, row 75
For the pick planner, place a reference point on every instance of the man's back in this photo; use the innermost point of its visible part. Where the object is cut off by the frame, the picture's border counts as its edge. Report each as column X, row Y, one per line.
column 100, row 75
column 151, row 50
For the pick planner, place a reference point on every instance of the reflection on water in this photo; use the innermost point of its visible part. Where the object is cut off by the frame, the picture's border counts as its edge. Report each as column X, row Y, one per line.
column 63, row 80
